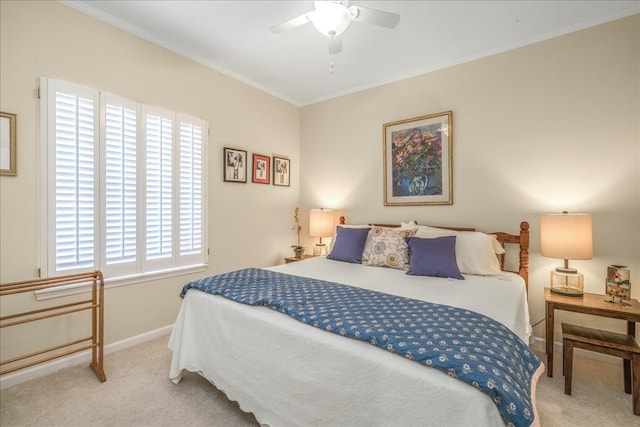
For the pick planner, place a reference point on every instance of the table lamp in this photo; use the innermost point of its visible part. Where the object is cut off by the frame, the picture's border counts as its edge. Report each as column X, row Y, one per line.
column 566, row 236
column 321, row 225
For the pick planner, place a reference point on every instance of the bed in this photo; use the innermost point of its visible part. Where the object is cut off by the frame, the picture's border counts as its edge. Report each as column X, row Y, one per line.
column 289, row 373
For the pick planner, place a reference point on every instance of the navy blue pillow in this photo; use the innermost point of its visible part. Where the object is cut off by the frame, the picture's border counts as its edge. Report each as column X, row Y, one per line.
column 433, row 257
column 349, row 244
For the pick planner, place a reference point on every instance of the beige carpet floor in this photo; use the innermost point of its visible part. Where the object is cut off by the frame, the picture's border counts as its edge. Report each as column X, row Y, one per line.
column 138, row 393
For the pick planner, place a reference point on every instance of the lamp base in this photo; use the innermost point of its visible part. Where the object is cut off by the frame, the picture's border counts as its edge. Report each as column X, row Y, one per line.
column 567, row 282
column 320, row 249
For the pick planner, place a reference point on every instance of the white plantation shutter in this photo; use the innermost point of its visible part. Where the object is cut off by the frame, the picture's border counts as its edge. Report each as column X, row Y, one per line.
column 125, row 185
column 72, row 182
column 159, row 184
column 191, row 188
column 120, row 204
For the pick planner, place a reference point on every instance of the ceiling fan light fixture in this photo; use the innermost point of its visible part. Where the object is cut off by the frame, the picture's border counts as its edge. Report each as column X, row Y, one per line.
column 330, row 18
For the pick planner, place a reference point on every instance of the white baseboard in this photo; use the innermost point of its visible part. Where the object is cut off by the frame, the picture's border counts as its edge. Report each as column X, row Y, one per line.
column 539, row 344
column 76, row 359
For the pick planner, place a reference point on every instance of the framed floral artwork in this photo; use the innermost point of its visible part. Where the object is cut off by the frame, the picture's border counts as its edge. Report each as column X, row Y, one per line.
column 235, row 165
column 418, row 161
column 281, row 171
column 261, row 169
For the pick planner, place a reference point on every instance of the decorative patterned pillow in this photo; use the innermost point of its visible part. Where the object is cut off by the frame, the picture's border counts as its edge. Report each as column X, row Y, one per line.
column 388, row 247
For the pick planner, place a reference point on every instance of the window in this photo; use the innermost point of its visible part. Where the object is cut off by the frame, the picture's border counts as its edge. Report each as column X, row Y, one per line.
column 123, row 185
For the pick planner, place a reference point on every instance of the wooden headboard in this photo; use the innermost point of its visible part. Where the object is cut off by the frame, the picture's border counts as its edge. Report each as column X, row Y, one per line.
column 522, row 240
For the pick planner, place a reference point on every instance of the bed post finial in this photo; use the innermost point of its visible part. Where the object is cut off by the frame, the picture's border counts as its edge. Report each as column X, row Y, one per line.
column 343, row 220
column 524, row 253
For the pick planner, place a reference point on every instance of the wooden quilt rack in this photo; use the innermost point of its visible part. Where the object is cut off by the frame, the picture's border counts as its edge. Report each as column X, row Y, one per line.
column 96, row 304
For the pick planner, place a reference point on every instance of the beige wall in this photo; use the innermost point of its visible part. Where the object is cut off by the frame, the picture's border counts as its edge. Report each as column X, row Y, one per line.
column 549, row 127
column 249, row 224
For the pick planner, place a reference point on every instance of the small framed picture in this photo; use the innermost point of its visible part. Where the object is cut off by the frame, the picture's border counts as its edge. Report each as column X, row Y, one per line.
column 261, row 169
column 235, row 165
column 8, row 144
column 281, row 171
column 619, row 282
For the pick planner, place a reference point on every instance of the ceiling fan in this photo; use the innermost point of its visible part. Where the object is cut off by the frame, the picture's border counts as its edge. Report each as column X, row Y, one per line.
column 332, row 18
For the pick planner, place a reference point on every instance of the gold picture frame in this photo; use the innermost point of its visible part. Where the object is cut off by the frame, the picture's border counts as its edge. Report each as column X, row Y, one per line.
column 8, row 153
column 418, row 161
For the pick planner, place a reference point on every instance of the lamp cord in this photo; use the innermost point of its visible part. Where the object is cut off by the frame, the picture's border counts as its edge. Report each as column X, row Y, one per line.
column 538, row 322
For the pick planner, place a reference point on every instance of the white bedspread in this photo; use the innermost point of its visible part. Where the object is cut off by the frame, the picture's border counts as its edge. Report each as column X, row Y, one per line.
column 290, row 374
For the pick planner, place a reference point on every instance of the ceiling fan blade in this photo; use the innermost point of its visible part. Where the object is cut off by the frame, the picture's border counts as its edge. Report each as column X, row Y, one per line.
column 291, row 23
column 335, row 45
column 375, row 17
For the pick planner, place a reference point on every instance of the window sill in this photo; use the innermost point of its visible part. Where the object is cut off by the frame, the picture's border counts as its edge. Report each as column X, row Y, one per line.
column 65, row 291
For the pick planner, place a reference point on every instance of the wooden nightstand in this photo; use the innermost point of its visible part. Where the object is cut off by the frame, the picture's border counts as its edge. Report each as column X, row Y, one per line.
column 287, row 260
column 594, row 304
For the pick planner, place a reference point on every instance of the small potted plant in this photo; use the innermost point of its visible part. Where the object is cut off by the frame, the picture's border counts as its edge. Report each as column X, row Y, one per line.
column 297, row 249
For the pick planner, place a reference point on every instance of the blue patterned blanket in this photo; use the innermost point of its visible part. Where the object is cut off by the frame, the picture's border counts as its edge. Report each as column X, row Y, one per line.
column 465, row 345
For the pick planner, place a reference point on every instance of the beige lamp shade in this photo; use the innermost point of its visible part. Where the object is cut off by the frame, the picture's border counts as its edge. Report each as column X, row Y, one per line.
column 321, row 223
column 566, row 236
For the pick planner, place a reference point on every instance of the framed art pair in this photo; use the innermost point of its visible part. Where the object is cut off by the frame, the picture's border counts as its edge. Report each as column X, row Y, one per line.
column 263, row 169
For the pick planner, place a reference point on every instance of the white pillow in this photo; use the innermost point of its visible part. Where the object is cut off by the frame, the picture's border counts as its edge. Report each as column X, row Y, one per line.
column 475, row 251
column 410, row 224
